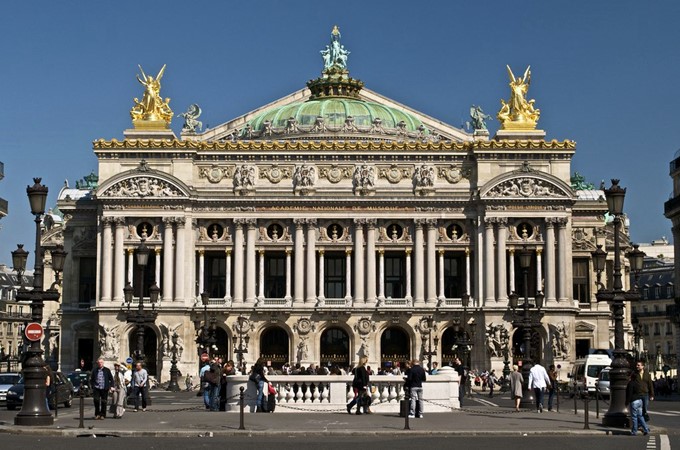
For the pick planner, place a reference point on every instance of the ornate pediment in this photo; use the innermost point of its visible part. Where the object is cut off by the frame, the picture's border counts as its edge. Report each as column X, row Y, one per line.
column 526, row 183
column 142, row 187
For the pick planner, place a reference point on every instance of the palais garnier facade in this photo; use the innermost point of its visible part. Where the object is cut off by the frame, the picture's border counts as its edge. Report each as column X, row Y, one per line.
column 330, row 224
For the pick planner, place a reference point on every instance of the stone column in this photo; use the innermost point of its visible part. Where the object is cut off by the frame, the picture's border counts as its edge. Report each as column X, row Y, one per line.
column 419, row 256
column 227, row 275
column 129, row 275
column 168, row 258
column 408, row 295
column 119, row 259
column 359, row 273
column 501, row 255
column 370, row 261
column 311, row 262
column 489, row 272
column 562, row 259
column 467, row 272
column 180, row 258
column 381, row 274
column 299, row 260
column 348, row 274
column 201, row 270
column 238, row 260
column 321, row 296
column 539, row 270
column 442, row 297
column 260, row 282
column 251, row 270
column 511, row 256
column 157, row 275
column 289, row 269
column 431, row 288
column 550, row 270
column 105, row 267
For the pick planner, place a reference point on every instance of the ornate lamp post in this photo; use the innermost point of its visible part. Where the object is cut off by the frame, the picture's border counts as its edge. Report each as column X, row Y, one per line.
column 463, row 339
column 141, row 317
column 526, row 322
column 206, row 338
column 240, row 343
column 637, row 333
column 617, row 415
column 34, row 411
column 174, row 386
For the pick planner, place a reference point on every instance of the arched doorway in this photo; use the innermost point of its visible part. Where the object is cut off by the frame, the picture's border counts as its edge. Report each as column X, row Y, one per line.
column 274, row 347
column 455, row 343
column 395, row 346
column 221, row 348
column 518, row 345
column 334, row 347
column 150, row 349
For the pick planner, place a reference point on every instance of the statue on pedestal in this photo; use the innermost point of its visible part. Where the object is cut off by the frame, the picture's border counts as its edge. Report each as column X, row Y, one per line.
column 518, row 113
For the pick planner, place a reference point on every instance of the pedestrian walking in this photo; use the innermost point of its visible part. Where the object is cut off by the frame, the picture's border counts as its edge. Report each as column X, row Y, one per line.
column 101, row 381
column 463, row 373
column 538, row 381
column 492, row 380
column 516, row 382
column 359, row 386
column 119, row 391
column 552, row 374
column 415, row 377
column 634, row 398
column 140, row 379
column 647, row 387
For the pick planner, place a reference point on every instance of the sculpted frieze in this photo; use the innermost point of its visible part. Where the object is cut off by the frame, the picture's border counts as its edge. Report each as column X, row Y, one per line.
column 454, row 174
column 214, row 173
column 275, row 173
column 335, row 173
column 524, row 187
column 142, row 186
column 394, row 174
column 244, row 179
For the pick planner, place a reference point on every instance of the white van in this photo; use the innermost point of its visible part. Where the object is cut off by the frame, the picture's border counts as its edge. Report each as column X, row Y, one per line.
column 585, row 371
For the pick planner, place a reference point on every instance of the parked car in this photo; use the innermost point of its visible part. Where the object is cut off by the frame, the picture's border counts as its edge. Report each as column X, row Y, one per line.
column 7, row 380
column 80, row 379
column 603, row 382
column 63, row 392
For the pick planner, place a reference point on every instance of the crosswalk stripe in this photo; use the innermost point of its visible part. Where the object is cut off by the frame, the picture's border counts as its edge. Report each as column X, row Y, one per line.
column 664, row 442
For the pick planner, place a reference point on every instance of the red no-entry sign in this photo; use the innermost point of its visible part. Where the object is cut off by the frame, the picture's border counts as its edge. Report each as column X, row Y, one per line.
column 33, row 331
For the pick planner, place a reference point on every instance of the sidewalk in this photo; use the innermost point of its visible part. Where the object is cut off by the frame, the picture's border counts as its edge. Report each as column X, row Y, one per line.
column 183, row 415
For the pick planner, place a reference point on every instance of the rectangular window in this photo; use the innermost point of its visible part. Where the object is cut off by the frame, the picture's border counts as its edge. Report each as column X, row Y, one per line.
column 87, row 282
column 581, row 282
column 274, row 275
column 334, row 273
column 657, row 329
column 215, row 274
column 454, row 277
column 394, row 275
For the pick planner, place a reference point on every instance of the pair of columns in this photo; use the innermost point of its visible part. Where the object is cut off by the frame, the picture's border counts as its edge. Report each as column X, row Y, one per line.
column 496, row 257
column 113, row 277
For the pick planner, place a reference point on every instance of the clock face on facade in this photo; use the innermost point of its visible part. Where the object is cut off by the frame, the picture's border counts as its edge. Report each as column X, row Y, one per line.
column 304, row 326
column 364, row 326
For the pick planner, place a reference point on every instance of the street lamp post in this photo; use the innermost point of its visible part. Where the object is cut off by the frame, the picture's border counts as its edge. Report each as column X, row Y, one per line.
column 526, row 323
column 34, row 411
column 206, row 337
column 617, row 415
column 240, row 343
column 463, row 340
column 174, row 386
column 637, row 333
column 141, row 317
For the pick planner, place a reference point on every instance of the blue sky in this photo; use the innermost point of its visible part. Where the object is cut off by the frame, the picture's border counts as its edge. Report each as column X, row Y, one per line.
column 604, row 73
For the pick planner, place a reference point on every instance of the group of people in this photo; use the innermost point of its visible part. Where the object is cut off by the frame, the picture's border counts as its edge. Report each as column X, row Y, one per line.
column 541, row 381
column 120, row 384
column 213, row 375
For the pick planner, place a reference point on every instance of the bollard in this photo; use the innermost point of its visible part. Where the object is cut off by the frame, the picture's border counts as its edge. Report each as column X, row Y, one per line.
column 408, row 403
column 558, row 397
column 56, row 403
column 82, row 408
column 575, row 403
column 242, row 405
column 586, row 399
column 597, row 400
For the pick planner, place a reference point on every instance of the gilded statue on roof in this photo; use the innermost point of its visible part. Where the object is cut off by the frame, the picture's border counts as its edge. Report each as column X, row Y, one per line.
column 153, row 109
column 335, row 54
column 518, row 113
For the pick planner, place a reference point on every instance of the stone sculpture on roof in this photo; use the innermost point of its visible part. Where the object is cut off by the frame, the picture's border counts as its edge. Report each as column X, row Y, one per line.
column 478, row 118
column 335, row 54
column 191, row 121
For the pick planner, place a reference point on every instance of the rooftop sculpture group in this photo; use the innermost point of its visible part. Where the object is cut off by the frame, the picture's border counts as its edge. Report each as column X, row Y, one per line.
column 518, row 113
column 152, row 111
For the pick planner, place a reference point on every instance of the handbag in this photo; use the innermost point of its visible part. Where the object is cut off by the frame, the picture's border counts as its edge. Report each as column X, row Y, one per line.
column 272, row 389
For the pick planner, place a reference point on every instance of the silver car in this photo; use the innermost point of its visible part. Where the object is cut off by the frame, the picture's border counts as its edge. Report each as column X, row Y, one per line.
column 7, row 380
column 603, row 382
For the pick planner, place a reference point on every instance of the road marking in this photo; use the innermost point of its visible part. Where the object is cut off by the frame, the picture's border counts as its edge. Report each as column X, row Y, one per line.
column 664, row 442
column 485, row 402
column 668, row 410
column 651, row 443
column 672, row 414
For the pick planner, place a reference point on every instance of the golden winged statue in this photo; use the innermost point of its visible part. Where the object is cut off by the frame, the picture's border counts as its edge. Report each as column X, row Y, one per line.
column 518, row 113
column 152, row 111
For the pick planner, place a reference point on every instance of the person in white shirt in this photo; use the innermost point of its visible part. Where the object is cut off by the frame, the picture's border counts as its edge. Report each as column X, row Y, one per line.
column 538, row 381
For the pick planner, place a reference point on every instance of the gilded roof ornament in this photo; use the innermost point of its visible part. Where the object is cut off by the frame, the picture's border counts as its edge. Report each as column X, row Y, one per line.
column 518, row 113
column 152, row 112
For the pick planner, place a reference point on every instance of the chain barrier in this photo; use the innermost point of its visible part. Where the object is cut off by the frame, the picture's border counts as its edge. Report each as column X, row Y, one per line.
column 189, row 408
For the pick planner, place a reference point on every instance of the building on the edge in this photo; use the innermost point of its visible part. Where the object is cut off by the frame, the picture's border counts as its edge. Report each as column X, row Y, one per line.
column 672, row 212
column 329, row 224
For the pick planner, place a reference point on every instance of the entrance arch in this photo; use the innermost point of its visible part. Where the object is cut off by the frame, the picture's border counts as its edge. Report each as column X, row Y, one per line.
column 274, row 346
column 334, row 347
column 150, row 349
column 395, row 346
column 221, row 348
column 451, row 345
column 518, row 345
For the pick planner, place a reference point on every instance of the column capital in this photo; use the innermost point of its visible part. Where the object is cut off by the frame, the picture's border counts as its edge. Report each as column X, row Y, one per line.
column 227, row 251
column 252, row 223
column 169, row 220
column 408, row 251
column 419, row 223
column 381, row 251
column 260, row 251
column 299, row 222
column 321, row 251
column 502, row 221
column 157, row 250
column 348, row 251
column 441, row 251
column 119, row 221
column 107, row 221
column 311, row 223
column 200, row 251
column 539, row 250
column 561, row 221
column 180, row 221
column 371, row 223
column 511, row 251
column 467, row 251
column 489, row 221
column 130, row 250
column 550, row 221
column 288, row 251
column 431, row 223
